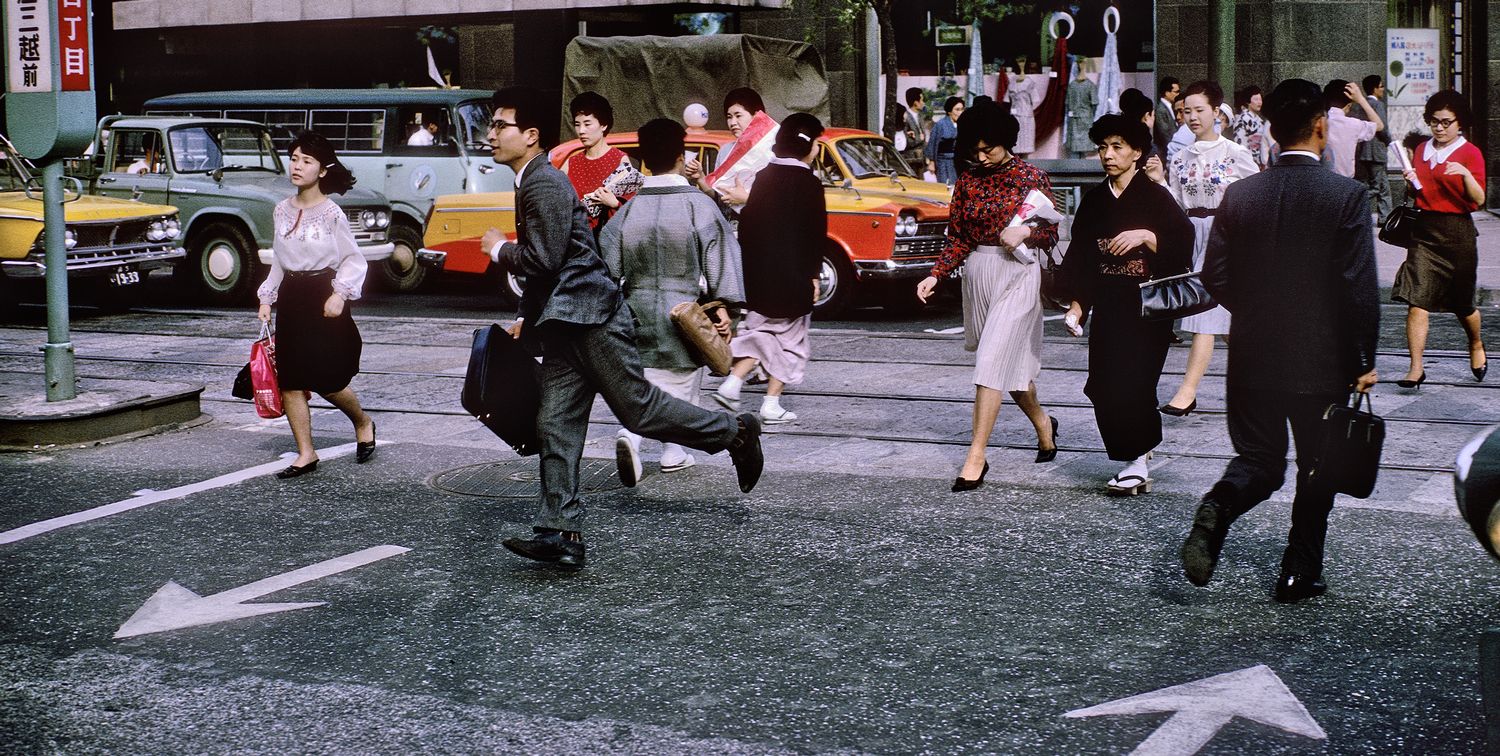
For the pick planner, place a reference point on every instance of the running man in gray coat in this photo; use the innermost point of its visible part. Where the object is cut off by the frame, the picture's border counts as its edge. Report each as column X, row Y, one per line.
column 1292, row 256
column 572, row 314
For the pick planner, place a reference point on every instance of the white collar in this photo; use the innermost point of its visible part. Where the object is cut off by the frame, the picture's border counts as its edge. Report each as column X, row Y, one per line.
column 1303, row 153
column 664, row 180
column 1166, row 102
column 790, row 161
column 1435, row 155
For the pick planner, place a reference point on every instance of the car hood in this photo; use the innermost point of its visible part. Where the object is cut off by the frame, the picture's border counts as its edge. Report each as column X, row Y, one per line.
column 276, row 188
column 83, row 209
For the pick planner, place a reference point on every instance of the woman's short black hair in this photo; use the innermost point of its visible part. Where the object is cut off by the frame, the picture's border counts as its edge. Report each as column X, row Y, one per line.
column 663, row 141
column 1135, row 104
column 986, row 122
column 1242, row 98
column 1132, row 130
column 798, row 133
column 746, row 98
column 1209, row 89
column 1453, row 102
column 338, row 179
column 950, row 102
column 1292, row 108
column 594, row 104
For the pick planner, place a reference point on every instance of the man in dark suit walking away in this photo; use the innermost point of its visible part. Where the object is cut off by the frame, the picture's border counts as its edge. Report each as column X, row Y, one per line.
column 1291, row 255
column 575, row 316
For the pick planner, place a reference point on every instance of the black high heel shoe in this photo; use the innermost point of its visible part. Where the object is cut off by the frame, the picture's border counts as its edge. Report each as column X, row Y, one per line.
column 964, row 484
column 1481, row 370
column 293, row 471
column 1047, row 455
column 365, row 450
column 1169, row 409
column 1404, row 383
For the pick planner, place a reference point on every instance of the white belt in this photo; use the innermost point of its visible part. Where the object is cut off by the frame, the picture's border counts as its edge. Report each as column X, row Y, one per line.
column 988, row 249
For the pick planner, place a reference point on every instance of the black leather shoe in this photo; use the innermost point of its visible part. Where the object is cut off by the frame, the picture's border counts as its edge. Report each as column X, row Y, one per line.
column 1047, row 455
column 745, row 452
column 364, row 451
column 1293, row 588
column 1200, row 551
column 561, row 547
column 1480, row 371
column 293, row 471
column 1168, row 409
column 964, row 484
column 1403, row 383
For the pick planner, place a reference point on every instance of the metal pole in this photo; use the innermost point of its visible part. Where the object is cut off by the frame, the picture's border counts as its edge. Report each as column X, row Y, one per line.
column 1221, row 44
column 59, row 349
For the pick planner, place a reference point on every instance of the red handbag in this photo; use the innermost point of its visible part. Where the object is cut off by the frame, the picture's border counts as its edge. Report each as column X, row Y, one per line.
column 263, row 375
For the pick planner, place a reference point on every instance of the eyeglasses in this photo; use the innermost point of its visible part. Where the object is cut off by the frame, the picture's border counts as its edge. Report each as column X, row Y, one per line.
column 498, row 125
column 1442, row 122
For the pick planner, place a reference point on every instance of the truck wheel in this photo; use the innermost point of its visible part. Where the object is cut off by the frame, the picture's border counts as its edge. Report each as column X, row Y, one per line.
column 835, row 285
column 511, row 288
column 221, row 264
column 401, row 272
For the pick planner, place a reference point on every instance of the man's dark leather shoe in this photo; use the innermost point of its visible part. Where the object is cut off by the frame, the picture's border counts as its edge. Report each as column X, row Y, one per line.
column 1293, row 588
column 1200, row 552
column 563, row 548
column 744, row 450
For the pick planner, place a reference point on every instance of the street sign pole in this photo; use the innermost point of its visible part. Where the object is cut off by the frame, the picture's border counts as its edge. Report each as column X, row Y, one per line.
column 59, row 349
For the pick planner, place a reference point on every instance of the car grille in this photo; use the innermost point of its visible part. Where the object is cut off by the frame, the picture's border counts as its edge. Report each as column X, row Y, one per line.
column 98, row 241
column 918, row 246
column 361, row 235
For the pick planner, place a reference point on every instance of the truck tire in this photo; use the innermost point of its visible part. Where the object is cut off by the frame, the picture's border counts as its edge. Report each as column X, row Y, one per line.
column 221, row 264
column 836, row 284
column 509, row 288
column 401, row 272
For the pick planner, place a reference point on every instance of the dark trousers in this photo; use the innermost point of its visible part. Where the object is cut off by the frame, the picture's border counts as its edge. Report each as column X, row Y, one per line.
column 580, row 362
column 1258, row 421
column 1378, row 185
column 1126, row 355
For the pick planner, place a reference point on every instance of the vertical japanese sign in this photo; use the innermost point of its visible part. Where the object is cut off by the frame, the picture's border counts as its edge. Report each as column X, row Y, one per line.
column 73, row 44
column 1411, row 64
column 28, row 46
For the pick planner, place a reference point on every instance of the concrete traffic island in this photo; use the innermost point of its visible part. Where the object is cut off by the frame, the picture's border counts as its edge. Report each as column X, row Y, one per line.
column 104, row 409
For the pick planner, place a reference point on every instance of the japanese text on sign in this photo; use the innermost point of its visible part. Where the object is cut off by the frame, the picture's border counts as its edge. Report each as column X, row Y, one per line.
column 73, row 44
column 28, row 46
column 1411, row 57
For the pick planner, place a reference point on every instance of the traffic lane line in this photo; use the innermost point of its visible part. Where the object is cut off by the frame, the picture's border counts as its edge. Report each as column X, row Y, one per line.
column 147, row 498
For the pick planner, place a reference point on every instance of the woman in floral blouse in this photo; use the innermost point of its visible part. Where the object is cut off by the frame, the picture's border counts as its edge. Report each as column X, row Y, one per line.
column 1002, row 294
column 1200, row 173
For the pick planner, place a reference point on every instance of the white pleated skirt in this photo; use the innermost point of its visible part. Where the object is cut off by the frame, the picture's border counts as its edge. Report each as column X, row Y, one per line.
column 1003, row 319
column 1215, row 321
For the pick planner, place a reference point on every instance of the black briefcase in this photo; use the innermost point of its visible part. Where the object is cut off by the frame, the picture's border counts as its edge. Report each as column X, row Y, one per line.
column 1349, row 459
column 501, row 389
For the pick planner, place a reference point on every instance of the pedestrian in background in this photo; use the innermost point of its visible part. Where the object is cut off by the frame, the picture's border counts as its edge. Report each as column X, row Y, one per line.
column 1166, row 120
column 1135, row 105
column 572, row 314
column 1292, row 256
column 316, row 270
column 942, row 141
column 603, row 176
column 1345, row 132
column 1199, row 175
column 1251, row 130
column 667, row 246
column 1127, row 230
column 1371, row 156
column 1442, row 264
column 914, row 129
column 741, row 108
column 1001, row 293
column 782, row 232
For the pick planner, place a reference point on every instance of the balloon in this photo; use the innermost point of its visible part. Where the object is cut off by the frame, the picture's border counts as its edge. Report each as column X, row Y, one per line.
column 695, row 116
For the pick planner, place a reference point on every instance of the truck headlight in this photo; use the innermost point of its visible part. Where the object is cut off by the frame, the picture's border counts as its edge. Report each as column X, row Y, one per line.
column 382, row 219
column 70, row 239
column 156, row 232
column 906, row 225
column 367, row 218
column 173, row 227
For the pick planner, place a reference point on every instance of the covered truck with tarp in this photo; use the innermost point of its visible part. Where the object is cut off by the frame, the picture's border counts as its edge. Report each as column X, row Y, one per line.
column 656, row 77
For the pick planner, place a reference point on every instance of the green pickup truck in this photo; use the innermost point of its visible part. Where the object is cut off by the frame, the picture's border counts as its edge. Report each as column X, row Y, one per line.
column 225, row 178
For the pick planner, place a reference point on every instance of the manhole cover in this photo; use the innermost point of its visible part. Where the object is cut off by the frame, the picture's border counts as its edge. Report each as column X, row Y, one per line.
column 521, row 479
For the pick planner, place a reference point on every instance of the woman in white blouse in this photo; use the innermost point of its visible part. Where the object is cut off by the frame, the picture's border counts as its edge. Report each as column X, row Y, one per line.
column 1200, row 172
column 316, row 270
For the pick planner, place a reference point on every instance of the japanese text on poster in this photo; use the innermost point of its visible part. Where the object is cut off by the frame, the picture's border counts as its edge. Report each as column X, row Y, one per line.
column 1411, row 64
column 73, row 44
column 28, row 46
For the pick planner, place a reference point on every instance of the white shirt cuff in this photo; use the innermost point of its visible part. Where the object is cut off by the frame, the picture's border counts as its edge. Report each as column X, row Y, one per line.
column 495, row 251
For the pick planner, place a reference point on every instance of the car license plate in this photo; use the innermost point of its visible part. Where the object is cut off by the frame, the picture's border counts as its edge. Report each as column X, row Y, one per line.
column 125, row 277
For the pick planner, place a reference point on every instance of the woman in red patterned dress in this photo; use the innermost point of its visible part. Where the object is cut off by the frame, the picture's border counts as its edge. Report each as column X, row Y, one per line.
column 602, row 175
column 1002, row 294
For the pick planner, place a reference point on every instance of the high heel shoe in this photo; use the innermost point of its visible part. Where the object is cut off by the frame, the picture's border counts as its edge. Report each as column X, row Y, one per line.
column 1169, row 409
column 293, row 471
column 964, row 484
column 1047, row 455
column 1404, row 383
column 1481, row 370
column 364, row 451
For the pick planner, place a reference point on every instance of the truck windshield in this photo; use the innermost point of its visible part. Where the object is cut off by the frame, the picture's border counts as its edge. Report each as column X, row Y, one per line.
column 230, row 147
column 475, row 118
column 868, row 157
column 14, row 173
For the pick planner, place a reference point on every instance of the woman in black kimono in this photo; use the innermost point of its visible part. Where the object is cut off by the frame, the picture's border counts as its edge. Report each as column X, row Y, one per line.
column 1127, row 230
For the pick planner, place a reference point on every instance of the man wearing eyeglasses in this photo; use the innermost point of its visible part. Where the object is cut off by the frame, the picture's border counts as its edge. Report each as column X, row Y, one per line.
column 1345, row 132
column 573, row 315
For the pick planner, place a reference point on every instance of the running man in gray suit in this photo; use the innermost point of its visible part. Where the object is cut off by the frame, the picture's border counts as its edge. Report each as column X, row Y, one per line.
column 1292, row 256
column 573, row 315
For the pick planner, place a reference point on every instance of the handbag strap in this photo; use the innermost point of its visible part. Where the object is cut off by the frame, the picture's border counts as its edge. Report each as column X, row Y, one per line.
column 1362, row 399
column 265, row 331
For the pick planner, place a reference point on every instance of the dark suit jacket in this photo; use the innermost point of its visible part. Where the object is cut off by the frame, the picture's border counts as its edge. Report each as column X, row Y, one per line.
column 1166, row 126
column 1292, row 256
column 566, row 280
column 1373, row 151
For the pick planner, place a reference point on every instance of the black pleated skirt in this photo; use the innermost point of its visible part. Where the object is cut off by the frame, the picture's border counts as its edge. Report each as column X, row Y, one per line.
column 313, row 352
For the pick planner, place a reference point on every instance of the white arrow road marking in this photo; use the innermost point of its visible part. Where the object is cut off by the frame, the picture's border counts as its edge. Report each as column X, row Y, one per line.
column 174, row 607
column 1203, row 706
column 148, row 497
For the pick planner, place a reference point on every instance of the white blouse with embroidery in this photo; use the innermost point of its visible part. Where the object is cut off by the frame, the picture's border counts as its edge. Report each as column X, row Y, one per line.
column 1202, row 171
column 314, row 239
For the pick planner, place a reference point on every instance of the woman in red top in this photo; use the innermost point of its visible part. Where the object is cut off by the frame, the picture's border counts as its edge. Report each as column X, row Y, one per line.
column 1441, row 265
column 602, row 175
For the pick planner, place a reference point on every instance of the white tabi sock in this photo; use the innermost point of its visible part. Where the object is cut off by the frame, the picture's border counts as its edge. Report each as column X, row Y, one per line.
column 731, row 387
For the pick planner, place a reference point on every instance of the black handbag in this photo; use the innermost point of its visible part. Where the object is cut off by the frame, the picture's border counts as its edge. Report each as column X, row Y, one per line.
column 242, row 386
column 1349, row 460
column 1398, row 225
column 501, row 389
column 1174, row 297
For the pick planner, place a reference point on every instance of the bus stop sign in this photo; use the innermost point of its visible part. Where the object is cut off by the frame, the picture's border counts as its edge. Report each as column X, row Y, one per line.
column 49, row 101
